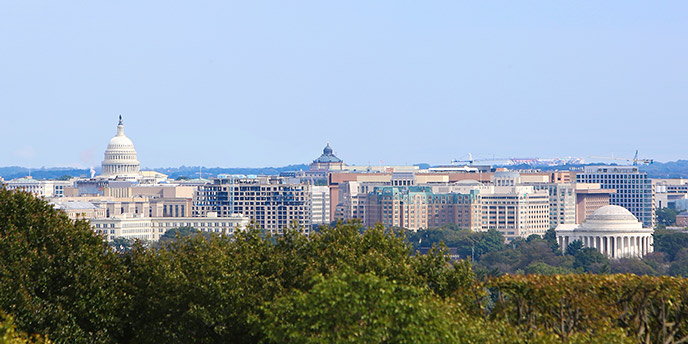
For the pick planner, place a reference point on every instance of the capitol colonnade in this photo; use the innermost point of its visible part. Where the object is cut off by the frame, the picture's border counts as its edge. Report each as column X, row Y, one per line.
column 612, row 230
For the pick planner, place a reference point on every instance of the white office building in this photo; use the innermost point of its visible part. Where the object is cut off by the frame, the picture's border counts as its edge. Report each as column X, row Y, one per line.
column 151, row 228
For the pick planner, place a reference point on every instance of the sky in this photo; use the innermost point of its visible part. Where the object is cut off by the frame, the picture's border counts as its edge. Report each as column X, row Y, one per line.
column 269, row 83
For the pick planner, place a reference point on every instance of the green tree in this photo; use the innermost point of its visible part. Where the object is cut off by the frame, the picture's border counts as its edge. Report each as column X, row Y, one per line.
column 679, row 267
column 670, row 242
column 541, row 268
column 551, row 238
column 349, row 307
column 57, row 277
column 631, row 266
column 122, row 245
column 574, row 247
column 666, row 217
column 590, row 260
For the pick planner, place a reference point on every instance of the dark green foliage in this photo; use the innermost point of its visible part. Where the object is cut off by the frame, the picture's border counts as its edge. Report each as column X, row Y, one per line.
column 551, row 238
column 679, row 267
column 591, row 260
column 467, row 243
column 122, row 245
column 534, row 255
column 574, row 247
column 631, row 266
column 666, row 217
column 57, row 276
column 670, row 242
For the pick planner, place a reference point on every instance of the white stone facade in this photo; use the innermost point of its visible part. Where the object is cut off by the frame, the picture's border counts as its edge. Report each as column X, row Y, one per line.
column 612, row 230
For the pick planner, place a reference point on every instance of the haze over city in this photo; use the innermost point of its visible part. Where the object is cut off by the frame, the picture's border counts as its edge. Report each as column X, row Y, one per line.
column 257, row 84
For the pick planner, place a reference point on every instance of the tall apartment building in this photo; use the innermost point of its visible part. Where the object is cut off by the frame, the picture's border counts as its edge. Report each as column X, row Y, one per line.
column 320, row 205
column 633, row 189
column 271, row 202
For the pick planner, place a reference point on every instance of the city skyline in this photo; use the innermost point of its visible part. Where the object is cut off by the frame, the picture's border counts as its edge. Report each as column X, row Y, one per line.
column 251, row 85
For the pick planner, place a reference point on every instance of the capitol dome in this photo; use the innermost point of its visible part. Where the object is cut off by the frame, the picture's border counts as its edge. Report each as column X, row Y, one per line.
column 120, row 157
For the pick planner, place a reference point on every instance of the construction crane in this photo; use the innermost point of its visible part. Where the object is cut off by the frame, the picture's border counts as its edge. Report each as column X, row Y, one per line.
column 471, row 161
column 635, row 159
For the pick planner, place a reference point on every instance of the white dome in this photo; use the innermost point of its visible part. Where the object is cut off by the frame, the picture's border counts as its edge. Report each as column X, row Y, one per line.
column 119, row 142
column 120, row 157
column 613, row 212
column 612, row 218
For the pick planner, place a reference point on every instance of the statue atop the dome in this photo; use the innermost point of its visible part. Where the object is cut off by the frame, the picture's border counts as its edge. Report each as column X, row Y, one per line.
column 120, row 120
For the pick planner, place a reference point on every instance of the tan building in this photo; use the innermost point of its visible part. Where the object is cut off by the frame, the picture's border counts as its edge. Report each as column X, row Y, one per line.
column 417, row 207
column 590, row 197
column 80, row 210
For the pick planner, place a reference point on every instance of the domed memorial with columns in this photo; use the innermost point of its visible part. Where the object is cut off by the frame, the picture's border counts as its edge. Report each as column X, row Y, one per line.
column 612, row 230
column 120, row 157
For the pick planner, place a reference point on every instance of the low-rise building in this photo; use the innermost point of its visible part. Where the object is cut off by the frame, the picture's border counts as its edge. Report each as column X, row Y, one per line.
column 40, row 188
column 151, row 228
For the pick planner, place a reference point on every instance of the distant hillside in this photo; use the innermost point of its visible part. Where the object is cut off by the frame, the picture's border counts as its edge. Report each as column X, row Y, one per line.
column 193, row 171
column 673, row 169
column 12, row 172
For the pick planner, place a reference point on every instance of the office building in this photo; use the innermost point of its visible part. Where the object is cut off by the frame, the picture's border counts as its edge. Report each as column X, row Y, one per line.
column 151, row 228
column 271, row 202
column 633, row 189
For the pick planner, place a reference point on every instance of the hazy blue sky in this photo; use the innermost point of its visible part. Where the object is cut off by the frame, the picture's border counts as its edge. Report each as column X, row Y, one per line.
column 268, row 83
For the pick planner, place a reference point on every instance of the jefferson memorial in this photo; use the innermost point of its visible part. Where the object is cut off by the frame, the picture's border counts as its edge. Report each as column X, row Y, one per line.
column 612, row 230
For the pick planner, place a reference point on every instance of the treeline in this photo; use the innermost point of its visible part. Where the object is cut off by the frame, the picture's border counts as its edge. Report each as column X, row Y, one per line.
column 59, row 280
column 535, row 255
